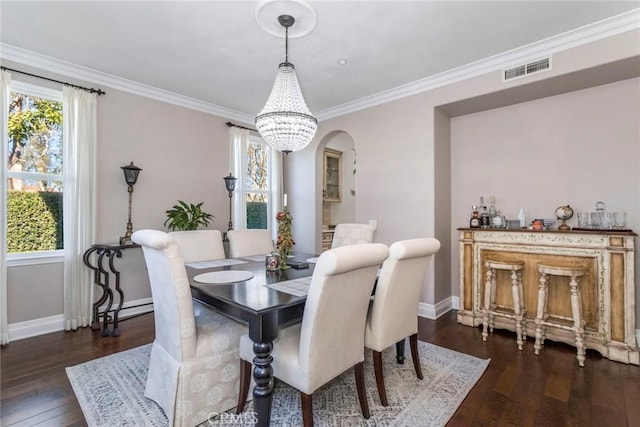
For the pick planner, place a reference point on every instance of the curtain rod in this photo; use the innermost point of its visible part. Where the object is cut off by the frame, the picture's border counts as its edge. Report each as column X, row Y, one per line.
column 241, row 127
column 88, row 89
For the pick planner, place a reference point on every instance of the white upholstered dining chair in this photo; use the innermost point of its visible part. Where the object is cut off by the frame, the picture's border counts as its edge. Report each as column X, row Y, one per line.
column 249, row 242
column 199, row 245
column 330, row 338
column 393, row 313
column 352, row 234
column 193, row 370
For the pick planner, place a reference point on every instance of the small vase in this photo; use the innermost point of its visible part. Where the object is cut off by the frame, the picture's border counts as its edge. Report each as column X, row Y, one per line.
column 284, row 255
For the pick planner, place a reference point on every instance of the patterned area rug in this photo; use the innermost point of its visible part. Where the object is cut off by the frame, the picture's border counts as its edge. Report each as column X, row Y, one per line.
column 110, row 392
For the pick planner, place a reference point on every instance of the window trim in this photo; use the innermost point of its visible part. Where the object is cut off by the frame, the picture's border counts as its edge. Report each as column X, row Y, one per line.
column 35, row 258
column 35, row 90
column 35, row 176
column 40, row 257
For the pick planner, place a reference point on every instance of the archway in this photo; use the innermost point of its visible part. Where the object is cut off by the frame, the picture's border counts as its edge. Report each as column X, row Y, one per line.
column 330, row 211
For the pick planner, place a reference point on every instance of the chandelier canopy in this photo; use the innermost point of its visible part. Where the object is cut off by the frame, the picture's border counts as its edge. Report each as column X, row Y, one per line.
column 285, row 122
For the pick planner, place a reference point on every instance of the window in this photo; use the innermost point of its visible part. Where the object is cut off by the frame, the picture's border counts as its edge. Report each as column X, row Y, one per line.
column 257, row 197
column 34, row 170
column 258, row 168
column 258, row 189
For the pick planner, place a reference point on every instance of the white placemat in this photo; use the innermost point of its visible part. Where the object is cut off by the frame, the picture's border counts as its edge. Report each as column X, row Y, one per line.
column 256, row 258
column 295, row 287
column 225, row 276
column 313, row 260
column 215, row 263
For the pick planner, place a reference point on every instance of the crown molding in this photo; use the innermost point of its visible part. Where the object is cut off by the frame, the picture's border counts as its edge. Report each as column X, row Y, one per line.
column 600, row 30
column 589, row 33
column 68, row 69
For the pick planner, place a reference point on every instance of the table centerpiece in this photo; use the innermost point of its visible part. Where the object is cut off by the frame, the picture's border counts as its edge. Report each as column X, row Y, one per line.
column 284, row 242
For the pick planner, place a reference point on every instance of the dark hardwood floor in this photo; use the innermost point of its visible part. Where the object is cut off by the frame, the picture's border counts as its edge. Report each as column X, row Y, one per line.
column 518, row 388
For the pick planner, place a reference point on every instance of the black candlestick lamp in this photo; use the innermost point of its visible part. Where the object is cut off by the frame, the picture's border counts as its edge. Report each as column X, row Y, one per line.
column 130, row 176
column 230, row 183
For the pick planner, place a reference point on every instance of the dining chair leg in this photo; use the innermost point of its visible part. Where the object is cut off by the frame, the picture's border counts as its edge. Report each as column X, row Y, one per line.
column 245, row 382
column 377, row 369
column 307, row 409
column 413, row 342
column 362, row 395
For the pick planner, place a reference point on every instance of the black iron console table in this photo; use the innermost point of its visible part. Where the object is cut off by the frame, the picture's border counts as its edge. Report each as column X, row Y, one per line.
column 103, row 267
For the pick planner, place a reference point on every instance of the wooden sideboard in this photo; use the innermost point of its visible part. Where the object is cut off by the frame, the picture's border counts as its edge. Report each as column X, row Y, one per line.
column 608, row 293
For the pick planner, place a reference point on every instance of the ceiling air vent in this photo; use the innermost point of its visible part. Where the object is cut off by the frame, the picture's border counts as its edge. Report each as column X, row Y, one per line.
column 526, row 69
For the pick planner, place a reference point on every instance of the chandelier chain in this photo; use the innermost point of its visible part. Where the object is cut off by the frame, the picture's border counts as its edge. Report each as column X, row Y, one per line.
column 286, row 43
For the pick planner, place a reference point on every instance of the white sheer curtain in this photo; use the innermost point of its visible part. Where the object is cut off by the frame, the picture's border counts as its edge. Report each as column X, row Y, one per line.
column 5, row 82
column 238, row 151
column 239, row 141
column 276, row 189
column 79, row 202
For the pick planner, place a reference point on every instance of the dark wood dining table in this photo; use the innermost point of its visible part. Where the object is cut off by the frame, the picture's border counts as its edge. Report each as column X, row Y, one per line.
column 263, row 309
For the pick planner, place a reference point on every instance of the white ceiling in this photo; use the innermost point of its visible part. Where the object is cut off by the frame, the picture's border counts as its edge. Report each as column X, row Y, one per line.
column 214, row 51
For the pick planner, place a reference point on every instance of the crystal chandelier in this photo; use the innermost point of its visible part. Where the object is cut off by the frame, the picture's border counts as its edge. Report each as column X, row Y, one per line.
column 285, row 122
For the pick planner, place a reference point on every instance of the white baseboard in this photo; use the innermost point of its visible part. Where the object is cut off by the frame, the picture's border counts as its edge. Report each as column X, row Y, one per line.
column 431, row 311
column 35, row 327
column 46, row 325
column 133, row 308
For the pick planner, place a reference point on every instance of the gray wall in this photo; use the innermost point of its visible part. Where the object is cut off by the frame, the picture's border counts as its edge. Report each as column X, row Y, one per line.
column 408, row 179
column 184, row 155
column 577, row 148
column 404, row 156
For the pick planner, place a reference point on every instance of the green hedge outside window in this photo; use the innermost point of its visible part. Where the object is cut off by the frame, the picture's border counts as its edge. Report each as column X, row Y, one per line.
column 34, row 221
column 256, row 215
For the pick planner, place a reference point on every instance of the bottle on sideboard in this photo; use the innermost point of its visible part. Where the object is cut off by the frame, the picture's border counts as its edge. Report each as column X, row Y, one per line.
column 498, row 221
column 485, row 219
column 474, row 222
column 492, row 208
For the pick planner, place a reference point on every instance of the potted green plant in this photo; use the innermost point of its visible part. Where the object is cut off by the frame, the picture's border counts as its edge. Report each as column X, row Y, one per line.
column 185, row 216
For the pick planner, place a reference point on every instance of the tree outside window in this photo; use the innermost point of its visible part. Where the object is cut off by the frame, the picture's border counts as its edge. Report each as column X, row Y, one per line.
column 34, row 172
column 257, row 180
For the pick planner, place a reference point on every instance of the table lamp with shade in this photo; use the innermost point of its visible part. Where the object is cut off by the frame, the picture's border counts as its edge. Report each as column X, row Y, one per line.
column 131, row 172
